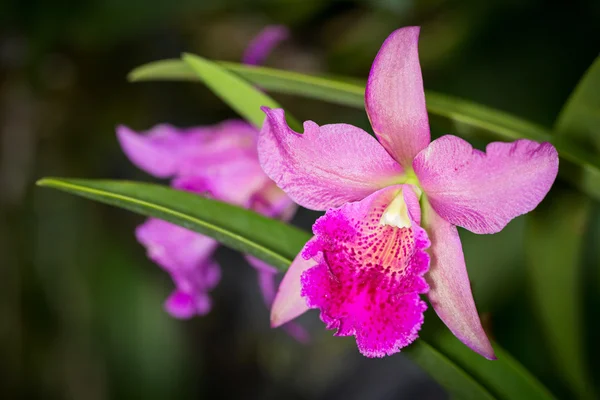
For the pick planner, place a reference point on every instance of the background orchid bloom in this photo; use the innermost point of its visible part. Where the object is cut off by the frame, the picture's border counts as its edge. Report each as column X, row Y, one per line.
column 392, row 208
column 218, row 161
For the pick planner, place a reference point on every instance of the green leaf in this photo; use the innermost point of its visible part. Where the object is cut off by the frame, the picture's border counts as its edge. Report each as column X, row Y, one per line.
column 579, row 119
column 463, row 373
column 270, row 240
column 504, row 378
column 468, row 118
column 555, row 239
column 554, row 244
column 442, row 369
column 244, row 98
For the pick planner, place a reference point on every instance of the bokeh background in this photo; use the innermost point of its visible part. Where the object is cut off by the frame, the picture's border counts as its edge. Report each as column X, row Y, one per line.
column 81, row 306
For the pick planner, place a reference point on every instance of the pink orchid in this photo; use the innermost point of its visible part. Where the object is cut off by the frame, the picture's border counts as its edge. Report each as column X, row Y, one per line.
column 218, row 161
column 393, row 205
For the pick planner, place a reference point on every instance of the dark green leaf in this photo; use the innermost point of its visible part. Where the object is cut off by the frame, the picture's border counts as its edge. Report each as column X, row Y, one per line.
column 554, row 244
column 504, row 378
column 555, row 239
column 579, row 119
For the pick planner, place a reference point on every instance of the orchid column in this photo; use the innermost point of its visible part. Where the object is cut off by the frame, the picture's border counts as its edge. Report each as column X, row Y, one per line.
column 392, row 206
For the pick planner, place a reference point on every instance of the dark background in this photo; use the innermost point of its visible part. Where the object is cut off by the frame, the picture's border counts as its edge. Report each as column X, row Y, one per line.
column 80, row 305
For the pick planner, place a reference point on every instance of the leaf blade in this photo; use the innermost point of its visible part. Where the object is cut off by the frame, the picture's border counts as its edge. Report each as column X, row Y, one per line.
column 228, row 224
column 244, row 98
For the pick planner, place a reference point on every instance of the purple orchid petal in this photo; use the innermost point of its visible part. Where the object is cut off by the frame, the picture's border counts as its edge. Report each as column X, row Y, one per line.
column 326, row 166
column 481, row 191
column 236, row 182
column 165, row 151
column 157, row 151
column 369, row 275
column 266, row 282
column 186, row 255
column 261, row 46
column 187, row 305
column 394, row 97
column 449, row 286
column 289, row 303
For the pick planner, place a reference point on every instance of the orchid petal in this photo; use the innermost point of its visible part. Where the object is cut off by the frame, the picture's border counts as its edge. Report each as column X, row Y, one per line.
column 369, row 274
column 186, row 305
column 156, row 152
column 326, row 166
column 165, row 150
column 288, row 303
column 449, row 286
column 394, row 97
column 261, row 46
column 481, row 191
column 186, row 255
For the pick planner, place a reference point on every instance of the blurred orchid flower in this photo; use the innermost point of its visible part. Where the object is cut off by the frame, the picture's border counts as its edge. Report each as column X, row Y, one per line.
column 393, row 205
column 218, row 161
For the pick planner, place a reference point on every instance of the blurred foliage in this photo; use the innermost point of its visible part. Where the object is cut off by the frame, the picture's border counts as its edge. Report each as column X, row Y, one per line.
column 81, row 306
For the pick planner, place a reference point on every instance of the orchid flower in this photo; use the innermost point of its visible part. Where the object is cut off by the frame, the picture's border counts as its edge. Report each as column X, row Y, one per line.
column 392, row 206
column 218, row 161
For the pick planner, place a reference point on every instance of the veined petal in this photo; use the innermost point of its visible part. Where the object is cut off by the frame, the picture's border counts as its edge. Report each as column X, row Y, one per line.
column 261, row 46
column 481, row 191
column 288, row 303
column 186, row 255
column 325, row 166
column 369, row 274
column 394, row 97
column 449, row 286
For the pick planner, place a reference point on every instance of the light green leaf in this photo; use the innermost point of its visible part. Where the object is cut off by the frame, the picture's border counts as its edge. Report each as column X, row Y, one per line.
column 244, row 98
column 270, row 240
column 463, row 373
column 468, row 118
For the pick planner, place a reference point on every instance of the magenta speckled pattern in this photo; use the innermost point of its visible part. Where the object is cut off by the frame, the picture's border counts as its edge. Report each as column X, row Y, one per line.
column 369, row 276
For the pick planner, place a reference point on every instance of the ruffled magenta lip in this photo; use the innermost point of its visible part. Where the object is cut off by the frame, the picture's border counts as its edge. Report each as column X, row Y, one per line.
column 369, row 276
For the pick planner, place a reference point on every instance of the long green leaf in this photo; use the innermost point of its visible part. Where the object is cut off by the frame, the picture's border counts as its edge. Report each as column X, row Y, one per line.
column 554, row 245
column 555, row 241
column 235, row 227
column 446, row 372
column 238, row 93
column 504, row 378
column 468, row 118
column 579, row 119
column 463, row 373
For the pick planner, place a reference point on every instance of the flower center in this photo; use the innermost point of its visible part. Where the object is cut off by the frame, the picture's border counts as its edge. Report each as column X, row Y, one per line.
column 396, row 213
